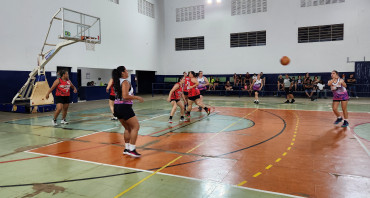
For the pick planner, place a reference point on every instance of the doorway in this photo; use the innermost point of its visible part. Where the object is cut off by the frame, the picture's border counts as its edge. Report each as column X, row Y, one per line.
column 144, row 81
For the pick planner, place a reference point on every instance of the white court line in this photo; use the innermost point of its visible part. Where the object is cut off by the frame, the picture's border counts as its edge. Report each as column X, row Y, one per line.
column 179, row 176
column 71, row 138
column 153, row 117
column 362, row 145
column 92, row 133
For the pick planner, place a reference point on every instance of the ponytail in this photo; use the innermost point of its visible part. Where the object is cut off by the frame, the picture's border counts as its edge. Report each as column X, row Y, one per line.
column 116, row 75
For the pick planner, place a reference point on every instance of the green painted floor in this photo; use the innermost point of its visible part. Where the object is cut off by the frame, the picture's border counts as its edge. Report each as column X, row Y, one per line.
column 43, row 176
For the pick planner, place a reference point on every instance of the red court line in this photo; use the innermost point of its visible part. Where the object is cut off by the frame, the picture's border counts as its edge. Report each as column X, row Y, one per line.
column 21, row 159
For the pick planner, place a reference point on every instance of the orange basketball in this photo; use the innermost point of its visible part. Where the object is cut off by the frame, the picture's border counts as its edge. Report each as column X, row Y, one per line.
column 284, row 60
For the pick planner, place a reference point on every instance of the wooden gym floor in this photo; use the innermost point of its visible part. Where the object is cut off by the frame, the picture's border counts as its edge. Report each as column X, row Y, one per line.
column 240, row 150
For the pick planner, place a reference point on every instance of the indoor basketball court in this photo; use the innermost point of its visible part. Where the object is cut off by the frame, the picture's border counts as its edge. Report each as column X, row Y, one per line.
column 262, row 122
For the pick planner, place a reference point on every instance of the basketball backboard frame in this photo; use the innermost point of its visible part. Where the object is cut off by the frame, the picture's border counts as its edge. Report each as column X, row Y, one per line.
column 79, row 27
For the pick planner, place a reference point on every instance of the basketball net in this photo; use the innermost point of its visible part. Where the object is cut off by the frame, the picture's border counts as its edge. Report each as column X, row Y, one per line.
column 90, row 46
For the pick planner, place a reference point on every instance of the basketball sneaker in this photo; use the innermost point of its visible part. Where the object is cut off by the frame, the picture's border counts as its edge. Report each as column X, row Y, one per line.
column 257, row 102
column 199, row 108
column 208, row 111
column 114, row 118
column 345, row 124
column 287, row 101
column 182, row 119
column 169, row 120
column 64, row 122
column 338, row 120
column 292, row 101
column 134, row 153
column 54, row 122
column 126, row 152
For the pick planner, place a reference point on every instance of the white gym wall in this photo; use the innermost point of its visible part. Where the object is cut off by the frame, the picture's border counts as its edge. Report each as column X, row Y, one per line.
column 143, row 43
column 281, row 22
column 128, row 37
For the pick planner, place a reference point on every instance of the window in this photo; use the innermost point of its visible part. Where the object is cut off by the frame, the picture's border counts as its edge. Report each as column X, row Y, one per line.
column 247, row 39
column 189, row 43
column 309, row 3
column 320, row 33
column 239, row 7
column 114, row 1
column 190, row 13
column 146, row 8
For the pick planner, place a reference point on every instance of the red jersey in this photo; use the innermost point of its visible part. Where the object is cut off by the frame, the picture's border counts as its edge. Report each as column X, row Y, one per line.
column 177, row 93
column 112, row 93
column 63, row 88
column 186, row 84
column 193, row 91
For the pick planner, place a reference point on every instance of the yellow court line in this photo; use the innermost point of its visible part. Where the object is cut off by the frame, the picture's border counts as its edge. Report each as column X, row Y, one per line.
column 268, row 167
column 257, row 174
column 278, row 159
column 147, row 177
column 241, row 183
column 169, row 163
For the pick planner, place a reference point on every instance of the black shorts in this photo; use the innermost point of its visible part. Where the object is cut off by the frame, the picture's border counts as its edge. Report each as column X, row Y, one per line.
column 340, row 100
column 288, row 91
column 186, row 93
column 193, row 98
column 112, row 97
column 174, row 100
column 61, row 99
column 202, row 92
column 123, row 111
column 258, row 91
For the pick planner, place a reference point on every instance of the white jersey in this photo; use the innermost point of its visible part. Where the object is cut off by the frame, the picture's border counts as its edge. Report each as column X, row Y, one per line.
column 130, row 92
column 258, row 81
column 287, row 82
column 202, row 83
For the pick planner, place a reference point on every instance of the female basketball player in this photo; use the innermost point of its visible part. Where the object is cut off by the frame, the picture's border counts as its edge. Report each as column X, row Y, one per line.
column 257, row 87
column 174, row 97
column 191, row 84
column 203, row 83
column 62, row 94
column 185, row 90
column 123, row 109
column 112, row 95
column 340, row 95
column 288, row 88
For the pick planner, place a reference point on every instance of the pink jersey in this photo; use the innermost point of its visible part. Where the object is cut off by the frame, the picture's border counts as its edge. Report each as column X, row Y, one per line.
column 339, row 92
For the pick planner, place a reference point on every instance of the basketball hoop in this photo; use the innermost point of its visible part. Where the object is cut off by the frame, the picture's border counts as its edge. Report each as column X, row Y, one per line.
column 90, row 44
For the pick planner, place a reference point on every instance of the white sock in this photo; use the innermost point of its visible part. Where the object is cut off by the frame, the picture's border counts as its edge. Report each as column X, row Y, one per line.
column 339, row 117
column 127, row 146
column 132, row 147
